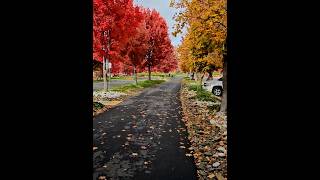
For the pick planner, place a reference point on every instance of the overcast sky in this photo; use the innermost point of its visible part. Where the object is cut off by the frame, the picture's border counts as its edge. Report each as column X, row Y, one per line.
column 163, row 7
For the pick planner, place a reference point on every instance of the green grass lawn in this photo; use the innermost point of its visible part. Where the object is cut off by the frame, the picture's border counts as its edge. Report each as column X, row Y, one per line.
column 201, row 93
column 116, row 78
column 145, row 74
column 142, row 74
column 140, row 85
column 122, row 77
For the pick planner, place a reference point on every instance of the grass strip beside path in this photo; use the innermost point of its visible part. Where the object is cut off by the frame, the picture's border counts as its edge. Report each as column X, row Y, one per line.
column 140, row 85
column 129, row 90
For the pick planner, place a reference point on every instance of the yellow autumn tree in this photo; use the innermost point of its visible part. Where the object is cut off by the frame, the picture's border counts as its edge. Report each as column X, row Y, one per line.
column 204, row 45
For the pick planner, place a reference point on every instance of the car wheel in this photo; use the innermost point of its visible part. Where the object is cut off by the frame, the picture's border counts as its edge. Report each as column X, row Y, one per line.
column 217, row 91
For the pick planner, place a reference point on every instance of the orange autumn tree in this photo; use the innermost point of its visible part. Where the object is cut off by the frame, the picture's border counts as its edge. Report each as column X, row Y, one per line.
column 204, row 46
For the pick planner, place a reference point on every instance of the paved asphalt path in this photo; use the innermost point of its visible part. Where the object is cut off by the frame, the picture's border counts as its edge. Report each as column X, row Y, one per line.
column 143, row 138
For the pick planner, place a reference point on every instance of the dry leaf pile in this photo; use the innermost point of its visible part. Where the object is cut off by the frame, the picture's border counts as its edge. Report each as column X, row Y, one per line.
column 102, row 96
column 207, row 132
column 109, row 99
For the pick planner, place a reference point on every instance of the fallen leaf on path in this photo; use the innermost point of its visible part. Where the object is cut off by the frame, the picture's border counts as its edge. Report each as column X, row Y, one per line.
column 222, row 149
column 207, row 132
column 220, row 177
column 216, row 164
column 102, row 178
column 211, row 176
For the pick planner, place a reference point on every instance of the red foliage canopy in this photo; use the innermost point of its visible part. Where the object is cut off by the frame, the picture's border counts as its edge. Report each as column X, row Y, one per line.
column 130, row 36
column 160, row 49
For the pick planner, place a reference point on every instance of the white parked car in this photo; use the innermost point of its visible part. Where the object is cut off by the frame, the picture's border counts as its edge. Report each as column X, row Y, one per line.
column 215, row 86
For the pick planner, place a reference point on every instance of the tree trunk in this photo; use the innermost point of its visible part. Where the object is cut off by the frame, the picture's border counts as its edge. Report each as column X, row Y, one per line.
column 149, row 71
column 210, row 77
column 198, row 80
column 201, row 79
column 108, row 76
column 104, row 74
column 107, row 71
column 192, row 76
column 224, row 100
column 135, row 74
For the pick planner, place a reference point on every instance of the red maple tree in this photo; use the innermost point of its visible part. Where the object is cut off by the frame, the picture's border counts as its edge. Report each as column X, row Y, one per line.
column 131, row 37
column 136, row 48
column 160, row 48
column 113, row 24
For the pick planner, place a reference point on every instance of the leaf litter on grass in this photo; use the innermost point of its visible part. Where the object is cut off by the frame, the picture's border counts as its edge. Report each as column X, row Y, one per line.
column 207, row 133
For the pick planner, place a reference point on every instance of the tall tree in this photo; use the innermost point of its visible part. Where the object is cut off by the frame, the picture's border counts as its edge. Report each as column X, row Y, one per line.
column 168, row 62
column 130, row 37
column 113, row 24
column 206, row 23
column 159, row 44
column 137, row 45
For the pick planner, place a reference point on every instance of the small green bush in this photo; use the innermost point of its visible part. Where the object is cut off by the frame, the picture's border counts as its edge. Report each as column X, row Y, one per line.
column 193, row 87
column 201, row 94
column 204, row 95
column 97, row 105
